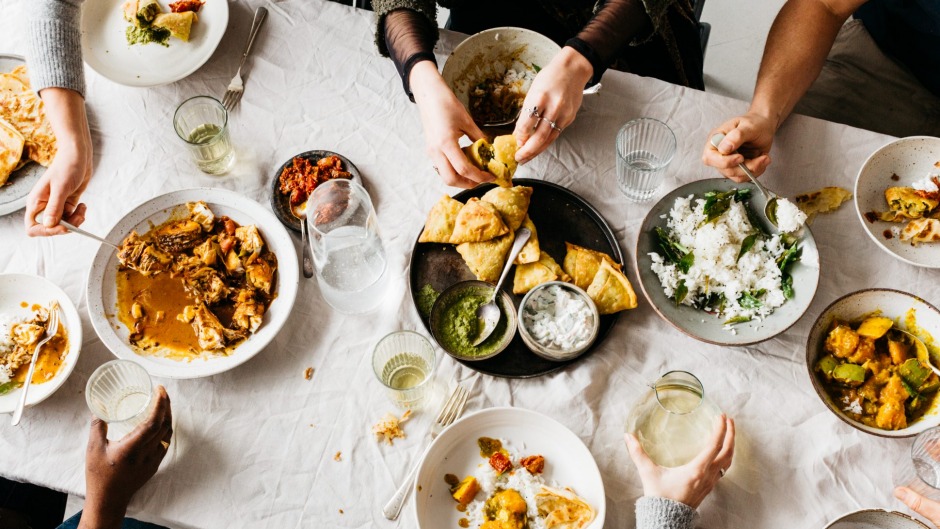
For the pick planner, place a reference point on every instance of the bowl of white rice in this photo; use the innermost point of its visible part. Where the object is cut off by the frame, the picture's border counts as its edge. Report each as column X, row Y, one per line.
column 733, row 291
column 504, row 59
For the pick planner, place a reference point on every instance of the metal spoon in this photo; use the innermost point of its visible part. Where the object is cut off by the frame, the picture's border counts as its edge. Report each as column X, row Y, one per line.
column 770, row 209
column 922, row 353
column 52, row 327
column 587, row 91
column 488, row 314
column 300, row 212
column 80, row 231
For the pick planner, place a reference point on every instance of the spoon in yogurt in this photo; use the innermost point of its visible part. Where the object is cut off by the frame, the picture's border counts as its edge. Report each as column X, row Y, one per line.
column 488, row 314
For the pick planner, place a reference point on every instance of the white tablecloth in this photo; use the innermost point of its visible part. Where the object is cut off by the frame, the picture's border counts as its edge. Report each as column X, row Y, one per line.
column 256, row 445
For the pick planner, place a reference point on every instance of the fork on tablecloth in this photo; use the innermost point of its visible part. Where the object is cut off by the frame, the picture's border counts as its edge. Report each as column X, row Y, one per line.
column 236, row 87
column 449, row 413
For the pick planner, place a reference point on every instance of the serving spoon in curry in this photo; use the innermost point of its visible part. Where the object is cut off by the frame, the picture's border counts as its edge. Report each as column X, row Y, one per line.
column 488, row 314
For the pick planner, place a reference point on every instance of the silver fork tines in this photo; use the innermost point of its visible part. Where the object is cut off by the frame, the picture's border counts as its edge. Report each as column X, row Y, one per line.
column 52, row 327
column 236, row 87
column 453, row 407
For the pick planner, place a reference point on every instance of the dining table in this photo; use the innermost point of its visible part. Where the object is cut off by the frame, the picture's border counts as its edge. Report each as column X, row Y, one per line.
column 263, row 446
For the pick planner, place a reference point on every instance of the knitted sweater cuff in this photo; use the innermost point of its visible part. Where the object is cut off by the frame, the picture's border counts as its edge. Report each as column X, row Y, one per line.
column 662, row 513
column 54, row 50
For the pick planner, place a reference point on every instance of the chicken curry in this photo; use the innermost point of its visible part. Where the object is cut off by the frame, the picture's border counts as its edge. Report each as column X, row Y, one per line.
column 196, row 284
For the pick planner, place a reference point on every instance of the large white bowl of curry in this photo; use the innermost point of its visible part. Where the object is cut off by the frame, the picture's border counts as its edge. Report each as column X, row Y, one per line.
column 179, row 356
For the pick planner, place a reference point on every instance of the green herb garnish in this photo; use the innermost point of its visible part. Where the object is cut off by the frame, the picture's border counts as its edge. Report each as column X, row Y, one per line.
column 746, row 245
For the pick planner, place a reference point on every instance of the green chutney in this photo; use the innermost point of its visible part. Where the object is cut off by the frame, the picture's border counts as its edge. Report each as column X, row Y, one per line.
column 458, row 325
column 426, row 298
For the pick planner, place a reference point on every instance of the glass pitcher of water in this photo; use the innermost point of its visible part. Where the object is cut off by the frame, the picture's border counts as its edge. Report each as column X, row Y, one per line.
column 673, row 421
column 348, row 254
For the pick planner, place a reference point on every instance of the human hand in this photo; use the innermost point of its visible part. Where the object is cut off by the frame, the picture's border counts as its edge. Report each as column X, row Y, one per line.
column 59, row 189
column 923, row 506
column 556, row 92
column 115, row 470
column 692, row 482
column 747, row 140
column 445, row 121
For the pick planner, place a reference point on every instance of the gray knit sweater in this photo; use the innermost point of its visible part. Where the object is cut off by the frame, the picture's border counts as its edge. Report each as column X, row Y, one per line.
column 54, row 45
column 662, row 513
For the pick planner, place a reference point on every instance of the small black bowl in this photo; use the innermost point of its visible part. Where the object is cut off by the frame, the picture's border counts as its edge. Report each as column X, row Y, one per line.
column 280, row 202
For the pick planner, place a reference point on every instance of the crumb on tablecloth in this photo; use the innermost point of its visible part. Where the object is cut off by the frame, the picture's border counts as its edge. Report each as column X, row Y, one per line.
column 338, row 456
column 390, row 427
column 308, row 373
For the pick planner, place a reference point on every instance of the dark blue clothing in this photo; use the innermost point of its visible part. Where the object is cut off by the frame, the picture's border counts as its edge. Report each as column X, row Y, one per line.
column 129, row 523
column 909, row 32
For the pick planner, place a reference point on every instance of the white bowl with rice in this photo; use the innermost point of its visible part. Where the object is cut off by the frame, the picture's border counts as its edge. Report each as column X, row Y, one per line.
column 20, row 294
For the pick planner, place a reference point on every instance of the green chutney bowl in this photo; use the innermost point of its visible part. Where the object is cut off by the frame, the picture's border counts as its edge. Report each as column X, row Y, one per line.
column 455, row 310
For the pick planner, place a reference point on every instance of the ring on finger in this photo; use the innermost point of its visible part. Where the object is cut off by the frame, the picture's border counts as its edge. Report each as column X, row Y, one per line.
column 554, row 126
column 535, row 113
column 537, row 121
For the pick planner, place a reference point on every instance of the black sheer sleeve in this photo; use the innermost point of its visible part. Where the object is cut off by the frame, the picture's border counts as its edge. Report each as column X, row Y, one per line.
column 409, row 39
column 613, row 27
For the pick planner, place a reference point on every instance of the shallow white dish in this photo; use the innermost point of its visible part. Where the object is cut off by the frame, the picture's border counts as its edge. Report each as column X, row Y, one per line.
column 852, row 307
column 101, row 289
column 14, row 192
column 911, row 159
column 567, row 461
column 699, row 324
column 105, row 47
column 875, row 519
column 16, row 289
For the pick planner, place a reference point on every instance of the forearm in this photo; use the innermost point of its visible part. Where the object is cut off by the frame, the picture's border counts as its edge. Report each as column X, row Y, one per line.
column 796, row 49
column 65, row 109
column 616, row 24
column 54, row 48
column 97, row 515
column 406, row 31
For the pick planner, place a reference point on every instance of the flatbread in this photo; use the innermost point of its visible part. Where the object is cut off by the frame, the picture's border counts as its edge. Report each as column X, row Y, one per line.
column 498, row 158
column 179, row 24
column 11, row 150
column 441, row 220
column 921, row 230
column 826, row 200
column 477, row 221
column 530, row 252
column 511, row 202
column 531, row 275
column 583, row 263
column 486, row 259
column 611, row 290
column 23, row 109
column 563, row 509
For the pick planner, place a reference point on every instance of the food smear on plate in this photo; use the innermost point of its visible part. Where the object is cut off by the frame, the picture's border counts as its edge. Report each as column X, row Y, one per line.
column 873, row 373
column 302, row 176
column 18, row 339
column 196, row 284
column 715, row 258
column 918, row 205
column 459, row 324
column 25, row 132
column 514, row 493
column 558, row 318
column 149, row 23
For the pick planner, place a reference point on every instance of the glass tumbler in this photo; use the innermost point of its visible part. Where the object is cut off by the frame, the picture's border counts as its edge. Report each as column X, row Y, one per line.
column 922, row 473
column 119, row 393
column 202, row 122
column 673, row 421
column 645, row 147
column 404, row 363
column 348, row 254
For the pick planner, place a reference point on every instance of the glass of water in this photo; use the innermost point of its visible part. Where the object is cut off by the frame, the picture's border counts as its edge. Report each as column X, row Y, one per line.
column 645, row 147
column 120, row 393
column 347, row 248
column 202, row 122
column 404, row 362
column 922, row 473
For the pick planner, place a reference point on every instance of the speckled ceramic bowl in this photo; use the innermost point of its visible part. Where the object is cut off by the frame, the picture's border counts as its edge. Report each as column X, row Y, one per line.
column 911, row 159
column 449, row 296
column 853, row 307
column 552, row 353
column 875, row 519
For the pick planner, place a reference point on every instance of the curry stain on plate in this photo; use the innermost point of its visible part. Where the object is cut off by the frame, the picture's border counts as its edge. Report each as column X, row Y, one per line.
column 50, row 359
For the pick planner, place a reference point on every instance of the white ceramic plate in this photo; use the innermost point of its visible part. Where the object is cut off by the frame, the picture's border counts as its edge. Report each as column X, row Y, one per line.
column 567, row 461
column 13, row 193
column 852, row 307
column 16, row 289
column 703, row 326
column 911, row 159
column 102, row 287
column 875, row 519
column 489, row 52
column 106, row 50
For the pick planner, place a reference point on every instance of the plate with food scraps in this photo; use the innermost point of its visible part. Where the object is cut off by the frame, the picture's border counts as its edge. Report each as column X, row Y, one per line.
column 23, row 299
column 858, row 331
column 306, row 171
column 703, row 263
column 159, row 55
column 19, row 174
column 564, row 222
column 226, row 273
column 876, row 519
column 897, row 197
column 514, row 463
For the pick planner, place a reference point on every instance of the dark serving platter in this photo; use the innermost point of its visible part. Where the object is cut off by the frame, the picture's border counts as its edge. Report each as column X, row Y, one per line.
column 280, row 202
column 559, row 215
